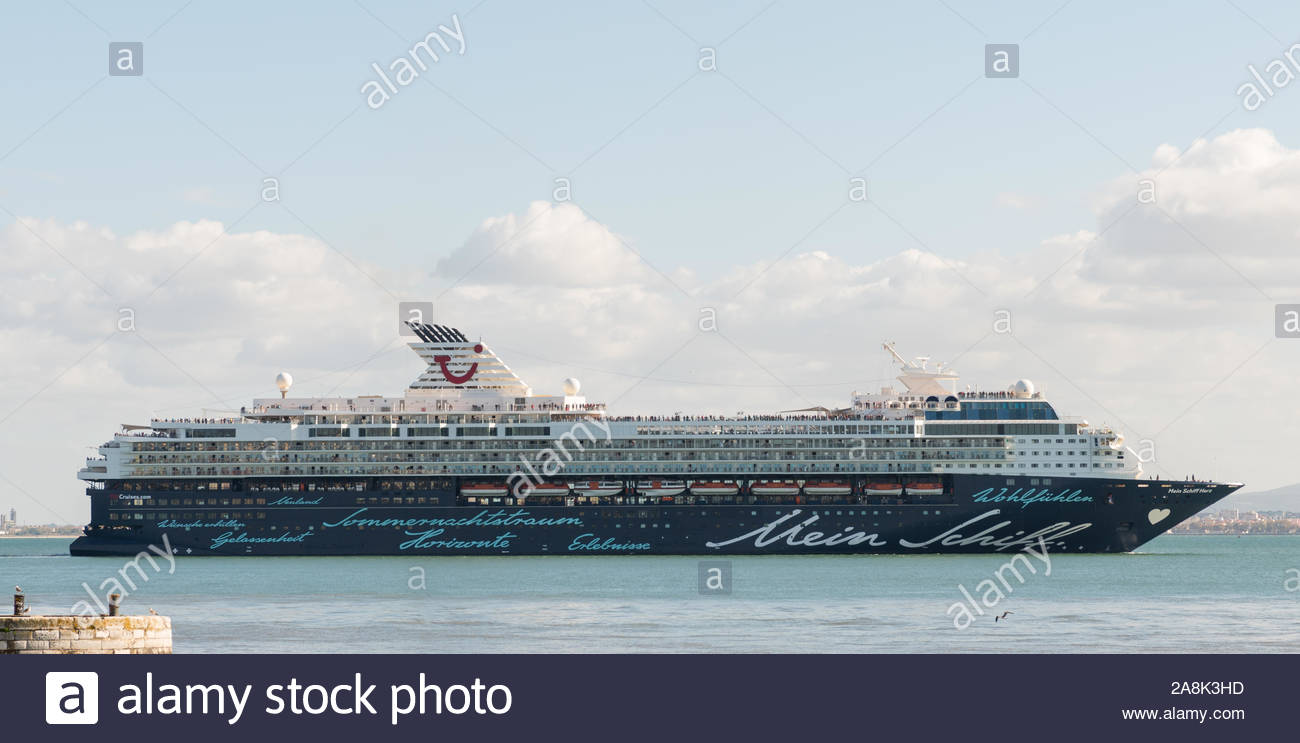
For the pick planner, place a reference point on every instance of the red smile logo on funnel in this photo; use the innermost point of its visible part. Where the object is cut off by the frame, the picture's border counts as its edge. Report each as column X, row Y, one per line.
column 448, row 375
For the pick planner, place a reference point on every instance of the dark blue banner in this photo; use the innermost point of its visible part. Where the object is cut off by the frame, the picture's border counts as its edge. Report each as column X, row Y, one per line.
column 217, row 697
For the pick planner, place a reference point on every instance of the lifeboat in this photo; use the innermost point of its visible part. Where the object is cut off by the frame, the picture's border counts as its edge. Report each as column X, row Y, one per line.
column 882, row 488
column 706, row 487
column 827, row 487
column 594, row 488
column 776, row 487
column 661, row 487
column 484, row 488
column 548, row 488
column 925, row 488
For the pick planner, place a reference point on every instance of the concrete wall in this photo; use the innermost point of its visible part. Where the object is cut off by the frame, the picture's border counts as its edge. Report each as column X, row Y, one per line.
column 71, row 634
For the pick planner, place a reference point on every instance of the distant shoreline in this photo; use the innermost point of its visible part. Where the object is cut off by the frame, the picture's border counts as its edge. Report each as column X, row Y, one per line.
column 1226, row 534
column 39, row 536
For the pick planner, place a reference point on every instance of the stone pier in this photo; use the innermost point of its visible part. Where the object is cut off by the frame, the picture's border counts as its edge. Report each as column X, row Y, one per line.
column 78, row 634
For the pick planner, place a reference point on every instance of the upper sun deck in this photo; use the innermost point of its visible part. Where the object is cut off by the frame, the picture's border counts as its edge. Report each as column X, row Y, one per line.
column 374, row 406
column 465, row 380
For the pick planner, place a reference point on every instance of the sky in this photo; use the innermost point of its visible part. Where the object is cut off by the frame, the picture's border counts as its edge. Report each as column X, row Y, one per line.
column 582, row 184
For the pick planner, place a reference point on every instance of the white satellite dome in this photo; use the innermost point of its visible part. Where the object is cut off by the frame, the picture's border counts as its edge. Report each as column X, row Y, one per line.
column 572, row 386
column 1022, row 388
column 283, row 380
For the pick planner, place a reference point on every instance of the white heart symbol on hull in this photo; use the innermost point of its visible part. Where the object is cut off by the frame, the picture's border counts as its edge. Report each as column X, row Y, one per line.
column 1157, row 515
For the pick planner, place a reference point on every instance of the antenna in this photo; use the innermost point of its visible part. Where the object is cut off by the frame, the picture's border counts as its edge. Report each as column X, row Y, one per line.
column 889, row 347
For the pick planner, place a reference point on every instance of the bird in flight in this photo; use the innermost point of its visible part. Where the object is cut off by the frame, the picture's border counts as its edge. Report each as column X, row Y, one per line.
column 1002, row 616
column 151, row 611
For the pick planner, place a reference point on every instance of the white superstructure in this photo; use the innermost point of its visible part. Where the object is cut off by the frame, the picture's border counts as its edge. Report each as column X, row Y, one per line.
column 468, row 414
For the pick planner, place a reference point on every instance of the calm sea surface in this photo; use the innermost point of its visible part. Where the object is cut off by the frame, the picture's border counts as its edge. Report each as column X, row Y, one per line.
column 1179, row 594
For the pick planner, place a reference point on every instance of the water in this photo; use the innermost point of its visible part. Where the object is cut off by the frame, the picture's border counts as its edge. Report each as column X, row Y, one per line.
column 1179, row 594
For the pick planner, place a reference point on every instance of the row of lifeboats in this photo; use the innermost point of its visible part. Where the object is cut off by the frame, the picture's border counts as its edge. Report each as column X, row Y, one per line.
column 669, row 488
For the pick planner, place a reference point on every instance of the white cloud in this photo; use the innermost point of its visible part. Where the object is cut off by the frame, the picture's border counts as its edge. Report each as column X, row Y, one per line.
column 1130, row 323
column 548, row 244
column 1013, row 200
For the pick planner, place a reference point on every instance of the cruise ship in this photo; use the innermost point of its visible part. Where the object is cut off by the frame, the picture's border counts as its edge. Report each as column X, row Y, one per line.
column 470, row 461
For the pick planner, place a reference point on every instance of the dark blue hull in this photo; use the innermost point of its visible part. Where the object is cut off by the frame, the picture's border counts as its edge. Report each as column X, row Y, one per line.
column 976, row 513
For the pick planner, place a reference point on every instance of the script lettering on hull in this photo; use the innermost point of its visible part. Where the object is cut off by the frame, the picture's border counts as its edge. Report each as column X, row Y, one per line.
column 989, row 536
column 428, row 540
column 591, row 543
column 517, row 517
column 1026, row 496
column 243, row 538
column 789, row 531
column 795, row 536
